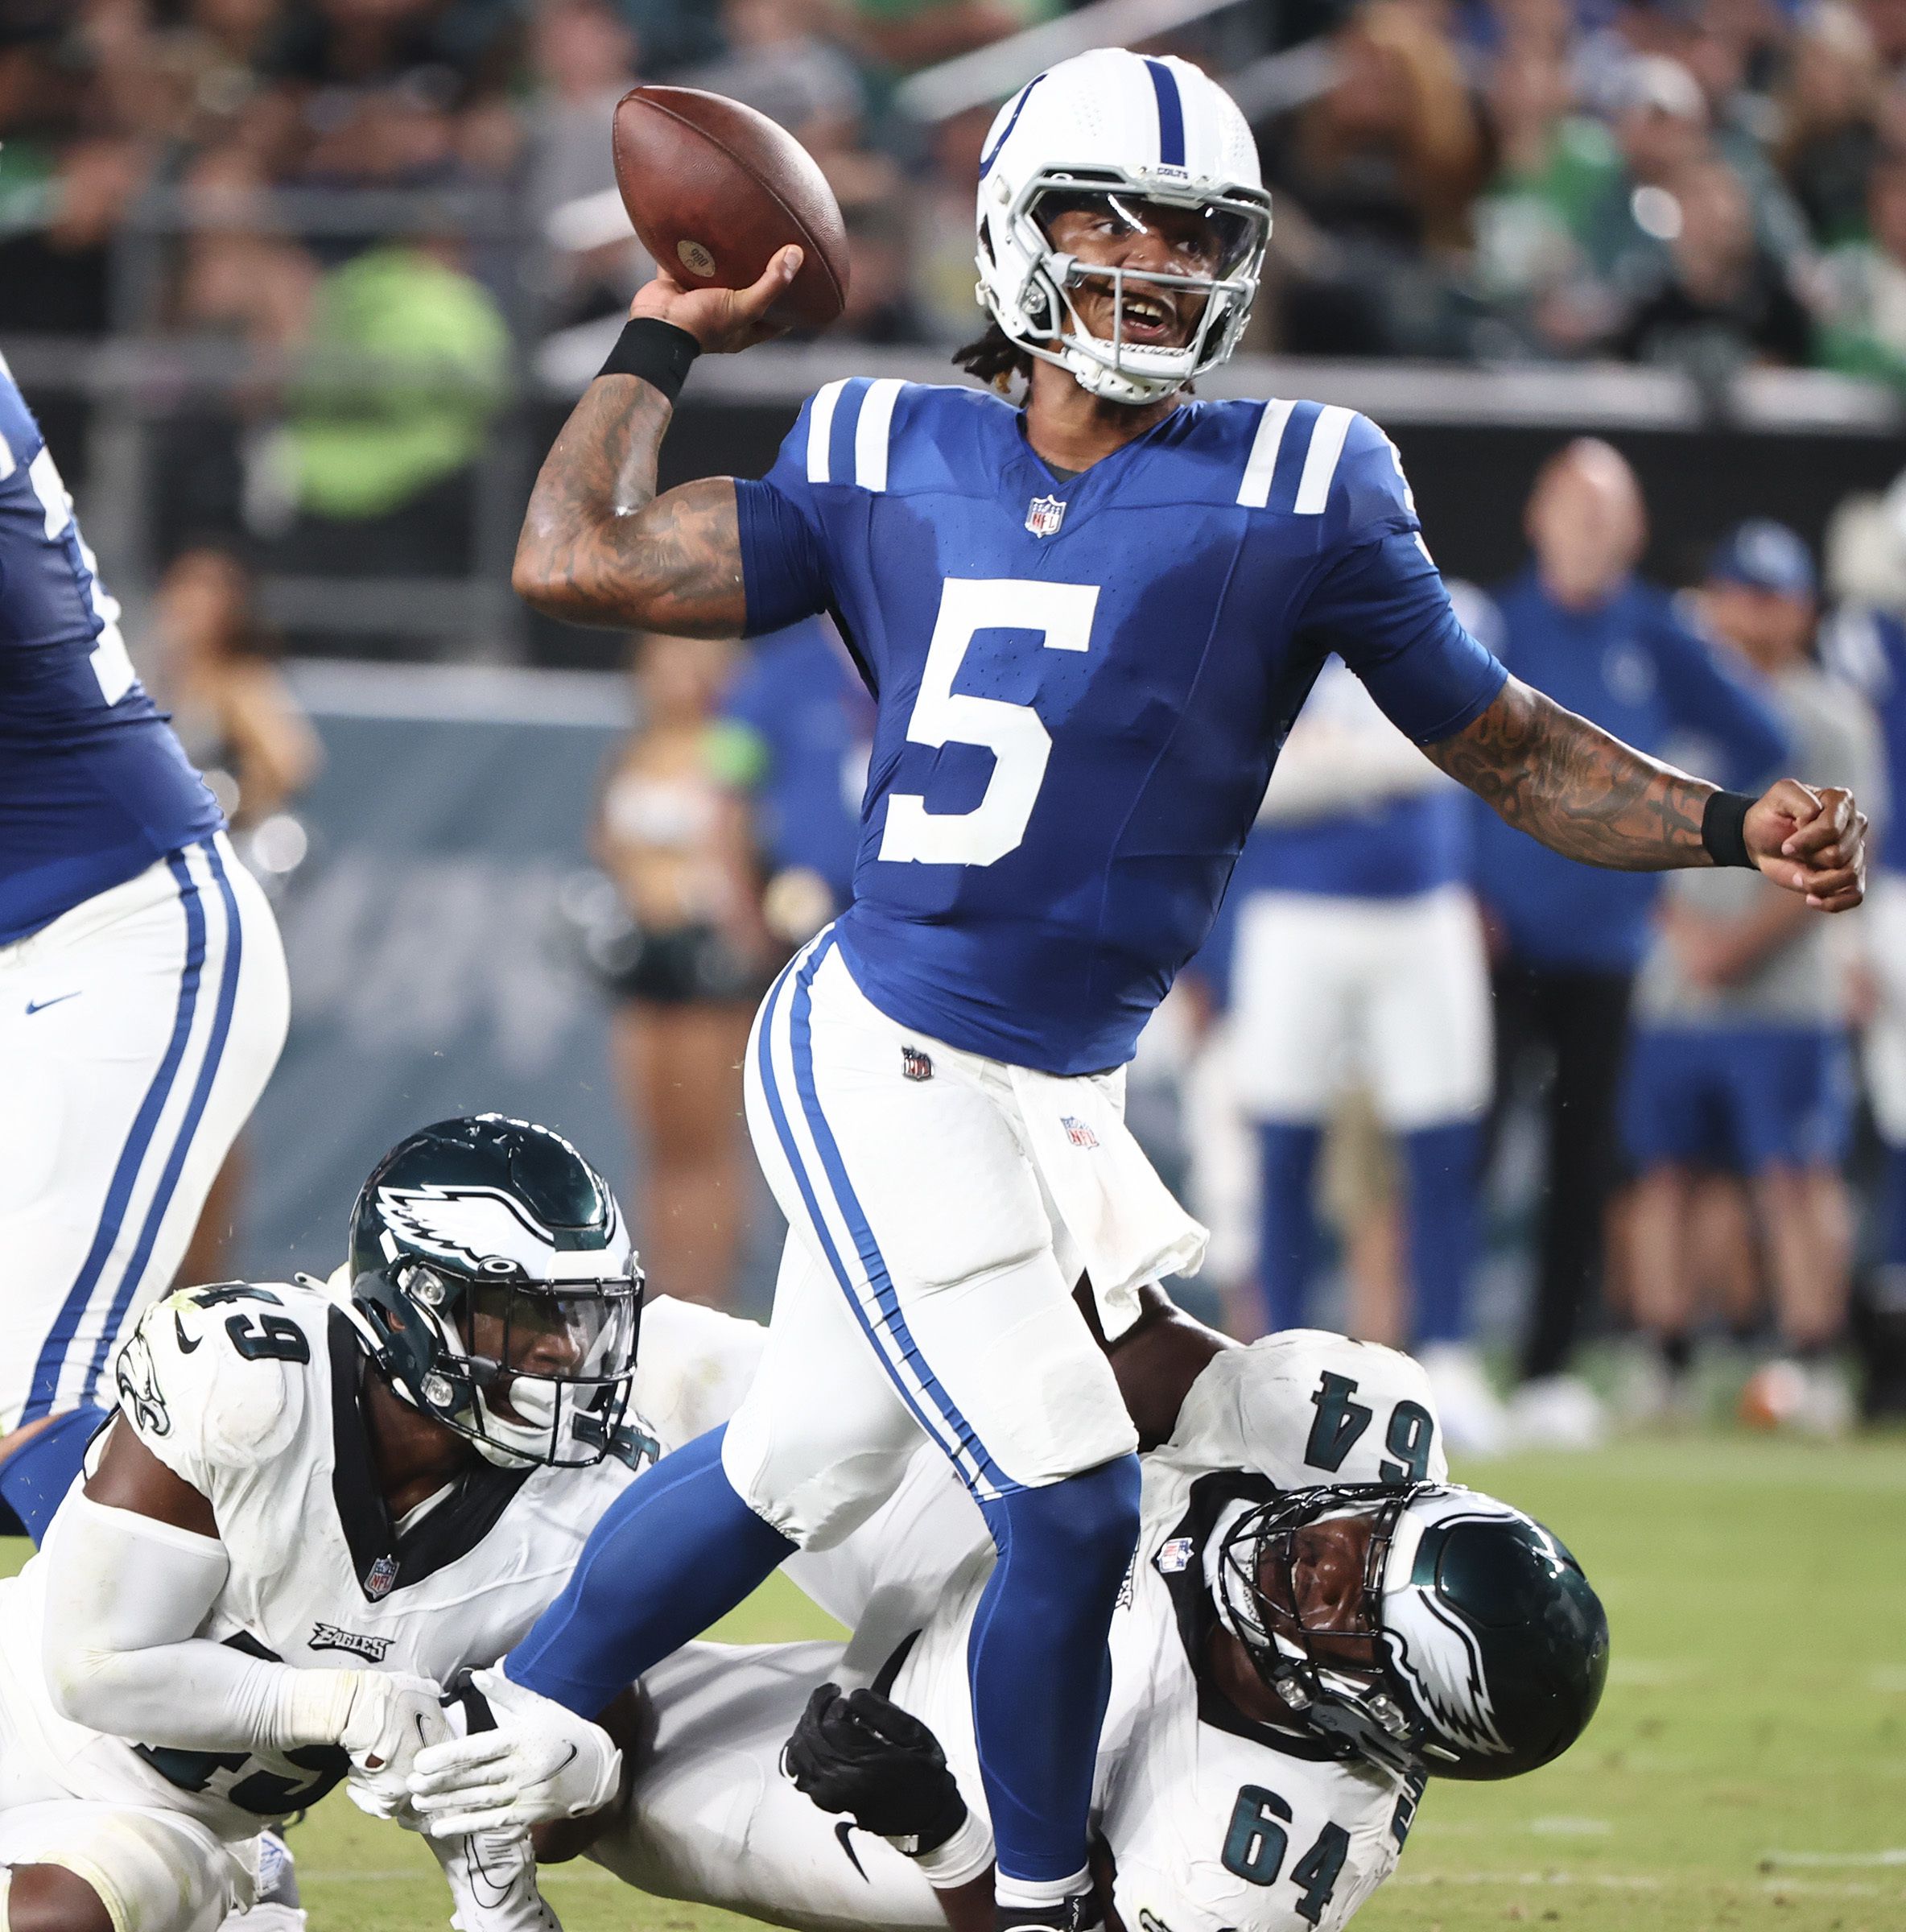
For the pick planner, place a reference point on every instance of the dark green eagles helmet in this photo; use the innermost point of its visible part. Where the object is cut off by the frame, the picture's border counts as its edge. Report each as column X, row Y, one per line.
column 1474, row 1647
column 492, row 1276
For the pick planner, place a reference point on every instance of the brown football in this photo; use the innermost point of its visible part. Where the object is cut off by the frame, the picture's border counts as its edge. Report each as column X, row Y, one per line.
column 713, row 189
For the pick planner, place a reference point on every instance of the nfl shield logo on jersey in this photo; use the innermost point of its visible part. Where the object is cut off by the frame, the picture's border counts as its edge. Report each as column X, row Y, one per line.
column 1077, row 1132
column 1044, row 515
column 381, row 1578
column 914, row 1064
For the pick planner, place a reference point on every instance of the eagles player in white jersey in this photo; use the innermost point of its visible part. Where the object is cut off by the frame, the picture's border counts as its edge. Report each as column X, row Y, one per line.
column 314, row 1506
column 1289, row 1661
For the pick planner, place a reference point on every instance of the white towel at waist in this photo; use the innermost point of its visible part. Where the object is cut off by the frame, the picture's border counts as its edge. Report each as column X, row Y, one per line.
column 1124, row 1227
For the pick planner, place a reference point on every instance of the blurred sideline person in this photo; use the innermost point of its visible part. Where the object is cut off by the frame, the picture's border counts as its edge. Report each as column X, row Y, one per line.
column 242, row 726
column 793, row 741
column 1581, row 626
column 1867, row 646
column 314, row 1505
column 143, row 999
column 1358, row 959
column 689, row 969
column 1740, row 1060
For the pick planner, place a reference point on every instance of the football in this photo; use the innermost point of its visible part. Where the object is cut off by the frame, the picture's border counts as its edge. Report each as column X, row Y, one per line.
column 715, row 188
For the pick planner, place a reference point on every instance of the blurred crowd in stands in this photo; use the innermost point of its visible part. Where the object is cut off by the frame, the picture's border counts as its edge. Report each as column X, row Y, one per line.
column 1700, row 183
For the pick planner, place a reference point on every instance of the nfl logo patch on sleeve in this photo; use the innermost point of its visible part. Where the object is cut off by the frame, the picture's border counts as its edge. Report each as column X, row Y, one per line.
column 1044, row 515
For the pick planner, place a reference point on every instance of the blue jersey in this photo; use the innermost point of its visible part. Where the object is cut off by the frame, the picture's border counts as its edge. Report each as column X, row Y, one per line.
column 809, row 721
column 1869, row 648
column 1081, row 682
column 1631, row 666
column 93, row 787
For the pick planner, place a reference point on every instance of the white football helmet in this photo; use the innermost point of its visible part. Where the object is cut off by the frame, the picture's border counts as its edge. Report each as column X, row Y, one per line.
column 1126, row 126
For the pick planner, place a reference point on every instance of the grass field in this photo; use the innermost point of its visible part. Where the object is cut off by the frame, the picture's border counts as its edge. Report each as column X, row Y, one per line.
column 1747, row 1769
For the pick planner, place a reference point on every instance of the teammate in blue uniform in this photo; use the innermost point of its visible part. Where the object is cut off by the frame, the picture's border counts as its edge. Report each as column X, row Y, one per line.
column 1359, row 963
column 142, row 991
column 1087, row 623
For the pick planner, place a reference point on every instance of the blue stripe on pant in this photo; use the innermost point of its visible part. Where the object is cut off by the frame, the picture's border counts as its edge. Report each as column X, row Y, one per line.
column 932, row 1407
column 135, row 1153
column 188, row 1127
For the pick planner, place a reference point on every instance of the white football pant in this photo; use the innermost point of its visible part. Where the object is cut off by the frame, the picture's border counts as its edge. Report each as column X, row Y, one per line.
column 1390, row 994
column 941, row 1208
column 137, row 1032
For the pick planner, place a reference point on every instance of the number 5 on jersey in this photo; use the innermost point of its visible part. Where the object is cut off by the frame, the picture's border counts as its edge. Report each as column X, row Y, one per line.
column 1020, row 745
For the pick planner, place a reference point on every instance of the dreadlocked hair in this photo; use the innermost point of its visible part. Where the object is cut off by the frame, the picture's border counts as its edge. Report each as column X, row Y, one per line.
column 994, row 359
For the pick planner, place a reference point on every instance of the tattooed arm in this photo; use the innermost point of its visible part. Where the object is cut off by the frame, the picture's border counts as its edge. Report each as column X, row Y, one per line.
column 598, row 546
column 1588, row 795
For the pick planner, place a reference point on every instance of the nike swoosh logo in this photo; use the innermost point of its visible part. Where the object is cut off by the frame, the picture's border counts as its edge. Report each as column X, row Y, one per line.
column 186, row 1344
column 33, row 1006
column 853, row 1857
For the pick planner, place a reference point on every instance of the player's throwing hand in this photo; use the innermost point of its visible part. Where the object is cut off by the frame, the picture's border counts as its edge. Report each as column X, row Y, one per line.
column 540, row 1762
column 723, row 320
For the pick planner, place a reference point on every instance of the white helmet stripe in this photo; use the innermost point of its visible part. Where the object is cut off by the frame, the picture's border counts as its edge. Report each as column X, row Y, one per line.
column 1320, row 462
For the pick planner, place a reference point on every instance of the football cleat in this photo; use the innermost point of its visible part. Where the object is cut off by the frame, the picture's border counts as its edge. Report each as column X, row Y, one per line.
column 491, row 1276
column 1119, row 129
column 1468, row 1644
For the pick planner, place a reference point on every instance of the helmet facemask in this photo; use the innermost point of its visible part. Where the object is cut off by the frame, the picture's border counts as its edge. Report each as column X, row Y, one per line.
column 534, row 1372
column 1329, row 1670
column 1042, row 314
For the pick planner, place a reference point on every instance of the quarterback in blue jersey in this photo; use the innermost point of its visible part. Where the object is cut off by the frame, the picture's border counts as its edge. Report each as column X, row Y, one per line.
column 1087, row 622
column 142, row 991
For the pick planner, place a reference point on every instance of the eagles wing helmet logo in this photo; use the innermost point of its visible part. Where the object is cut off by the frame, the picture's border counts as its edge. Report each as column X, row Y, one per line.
column 471, row 1225
column 1435, row 1654
column 1044, row 515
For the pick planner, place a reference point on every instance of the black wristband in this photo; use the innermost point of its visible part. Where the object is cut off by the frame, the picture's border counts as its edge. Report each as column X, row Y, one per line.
column 656, row 351
column 1724, row 828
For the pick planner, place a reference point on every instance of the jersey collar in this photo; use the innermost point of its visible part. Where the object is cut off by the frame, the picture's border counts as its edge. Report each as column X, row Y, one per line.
column 384, row 1560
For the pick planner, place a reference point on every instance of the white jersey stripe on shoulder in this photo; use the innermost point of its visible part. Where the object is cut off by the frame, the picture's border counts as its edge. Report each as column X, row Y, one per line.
column 1320, row 462
column 820, row 429
column 1254, row 491
column 872, row 431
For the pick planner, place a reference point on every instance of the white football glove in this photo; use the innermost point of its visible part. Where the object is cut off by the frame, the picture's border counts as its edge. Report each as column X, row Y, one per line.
column 392, row 1717
column 540, row 1762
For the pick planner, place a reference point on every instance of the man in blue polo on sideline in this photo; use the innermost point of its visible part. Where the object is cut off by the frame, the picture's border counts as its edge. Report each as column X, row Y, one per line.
column 1580, row 625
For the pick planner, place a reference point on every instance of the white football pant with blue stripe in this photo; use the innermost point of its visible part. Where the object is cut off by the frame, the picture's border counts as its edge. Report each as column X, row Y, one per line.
column 923, row 1289
column 137, row 1032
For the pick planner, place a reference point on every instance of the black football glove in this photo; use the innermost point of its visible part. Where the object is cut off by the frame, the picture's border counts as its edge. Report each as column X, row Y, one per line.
column 862, row 1754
